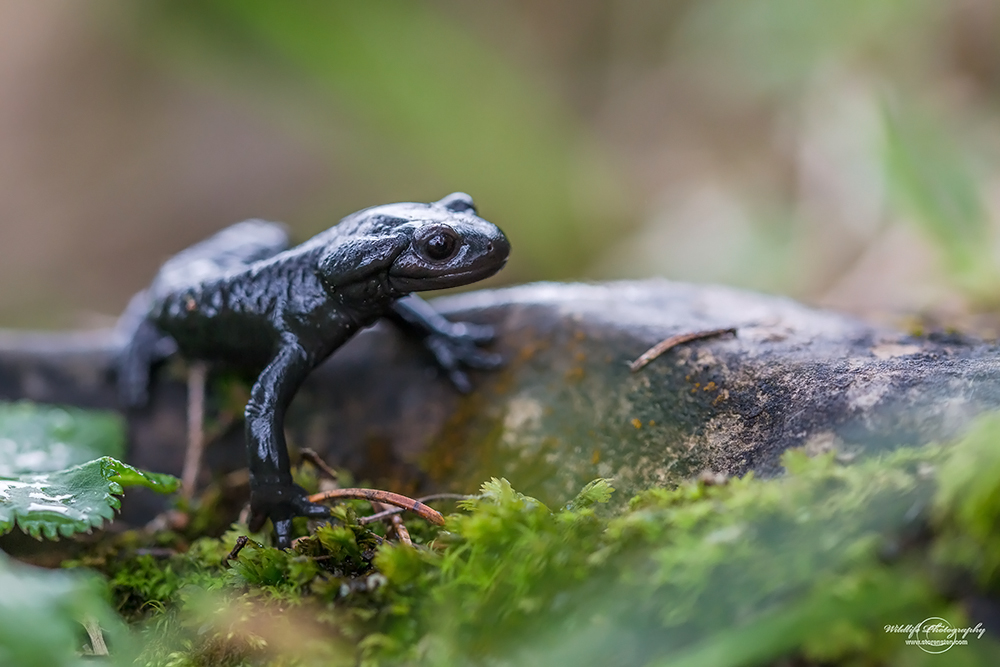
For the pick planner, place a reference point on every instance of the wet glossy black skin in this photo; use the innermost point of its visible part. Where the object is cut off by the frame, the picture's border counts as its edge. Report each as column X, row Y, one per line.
column 241, row 297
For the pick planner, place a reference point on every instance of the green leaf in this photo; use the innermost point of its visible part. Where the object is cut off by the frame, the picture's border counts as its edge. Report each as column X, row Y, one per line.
column 597, row 491
column 40, row 616
column 500, row 492
column 44, row 438
column 74, row 500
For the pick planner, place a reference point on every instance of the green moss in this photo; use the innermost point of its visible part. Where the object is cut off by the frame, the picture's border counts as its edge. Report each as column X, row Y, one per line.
column 967, row 503
column 810, row 566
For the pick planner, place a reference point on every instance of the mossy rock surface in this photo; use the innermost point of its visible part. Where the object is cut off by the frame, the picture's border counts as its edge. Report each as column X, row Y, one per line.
column 567, row 408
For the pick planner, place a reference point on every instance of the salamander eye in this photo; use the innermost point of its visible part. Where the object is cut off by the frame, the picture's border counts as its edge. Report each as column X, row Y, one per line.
column 441, row 246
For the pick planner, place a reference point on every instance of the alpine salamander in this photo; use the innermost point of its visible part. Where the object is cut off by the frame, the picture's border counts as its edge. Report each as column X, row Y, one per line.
column 244, row 298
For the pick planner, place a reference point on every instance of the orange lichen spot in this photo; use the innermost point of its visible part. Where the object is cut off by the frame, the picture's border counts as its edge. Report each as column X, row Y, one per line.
column 637, row 422
column 652, row 423
column 574, row 374
column 579, row 335
column 595, row 458
column 580, row 356
column 530, row 349
column 723, row 395
column 709, row 387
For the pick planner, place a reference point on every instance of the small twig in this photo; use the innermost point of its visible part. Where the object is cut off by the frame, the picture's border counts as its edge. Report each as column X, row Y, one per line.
column 396, row 510
column 317, row 460
column 673, row 341
column 444, row 496
column 196, row 433
column 93, row 628
column 394, row 524
column 241, row 542
column 383, row 497
column 372, row 518
column 401, row 532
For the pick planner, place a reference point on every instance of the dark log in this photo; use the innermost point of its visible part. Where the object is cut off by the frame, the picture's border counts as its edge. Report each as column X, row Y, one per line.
column 566, row 408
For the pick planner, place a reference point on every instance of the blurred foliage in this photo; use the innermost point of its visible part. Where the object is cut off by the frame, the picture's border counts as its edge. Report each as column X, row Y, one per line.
column 419, row 99
column 428, row 109
column 828, row 150
column 937, row 186
column 932, row 145
column 41, row 614
column 38, row 438
column 770, row 46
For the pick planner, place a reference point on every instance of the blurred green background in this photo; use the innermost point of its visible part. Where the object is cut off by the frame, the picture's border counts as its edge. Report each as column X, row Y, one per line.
column 845, row 152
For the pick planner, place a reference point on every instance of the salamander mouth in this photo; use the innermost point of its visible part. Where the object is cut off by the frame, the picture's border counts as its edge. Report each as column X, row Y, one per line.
column 445, row 280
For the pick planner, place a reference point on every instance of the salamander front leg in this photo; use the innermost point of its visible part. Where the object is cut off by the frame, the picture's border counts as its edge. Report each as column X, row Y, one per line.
column 272, row 493
column 455, row 345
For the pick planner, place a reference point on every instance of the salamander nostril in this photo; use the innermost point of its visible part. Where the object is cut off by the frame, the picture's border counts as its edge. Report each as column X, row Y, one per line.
column 489, row 247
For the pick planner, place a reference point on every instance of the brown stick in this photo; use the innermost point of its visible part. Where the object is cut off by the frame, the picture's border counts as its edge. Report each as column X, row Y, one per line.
column 674, row 341
column 401, row 532
column 93, row 628
column 382, row 497
column 241, row 542
column 317, row 460
column 363, row 520
column 395, row 524
column 196, row 432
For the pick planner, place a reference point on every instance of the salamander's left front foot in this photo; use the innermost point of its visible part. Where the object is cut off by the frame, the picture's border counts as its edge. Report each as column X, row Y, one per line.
column 281, row 503
column 458, row 347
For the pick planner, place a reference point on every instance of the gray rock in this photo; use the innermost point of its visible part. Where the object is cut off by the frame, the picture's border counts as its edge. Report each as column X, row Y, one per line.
column 566, row 408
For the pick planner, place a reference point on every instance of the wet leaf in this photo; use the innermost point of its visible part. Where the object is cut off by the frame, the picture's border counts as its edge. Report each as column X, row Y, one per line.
column 71, row 501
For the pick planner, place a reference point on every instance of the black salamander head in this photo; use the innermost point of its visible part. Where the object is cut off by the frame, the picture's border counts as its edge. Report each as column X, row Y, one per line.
column 417, row 246
column 449, row 246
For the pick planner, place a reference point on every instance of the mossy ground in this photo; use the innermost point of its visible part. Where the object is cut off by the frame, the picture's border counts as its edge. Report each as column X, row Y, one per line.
column 807, row 568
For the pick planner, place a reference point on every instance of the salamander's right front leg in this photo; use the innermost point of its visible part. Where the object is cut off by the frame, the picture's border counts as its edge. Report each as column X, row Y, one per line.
column 455, row 345
column 272, row 493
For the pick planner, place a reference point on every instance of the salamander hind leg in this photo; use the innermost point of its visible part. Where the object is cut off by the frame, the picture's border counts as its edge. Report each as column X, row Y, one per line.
column 144, row 345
